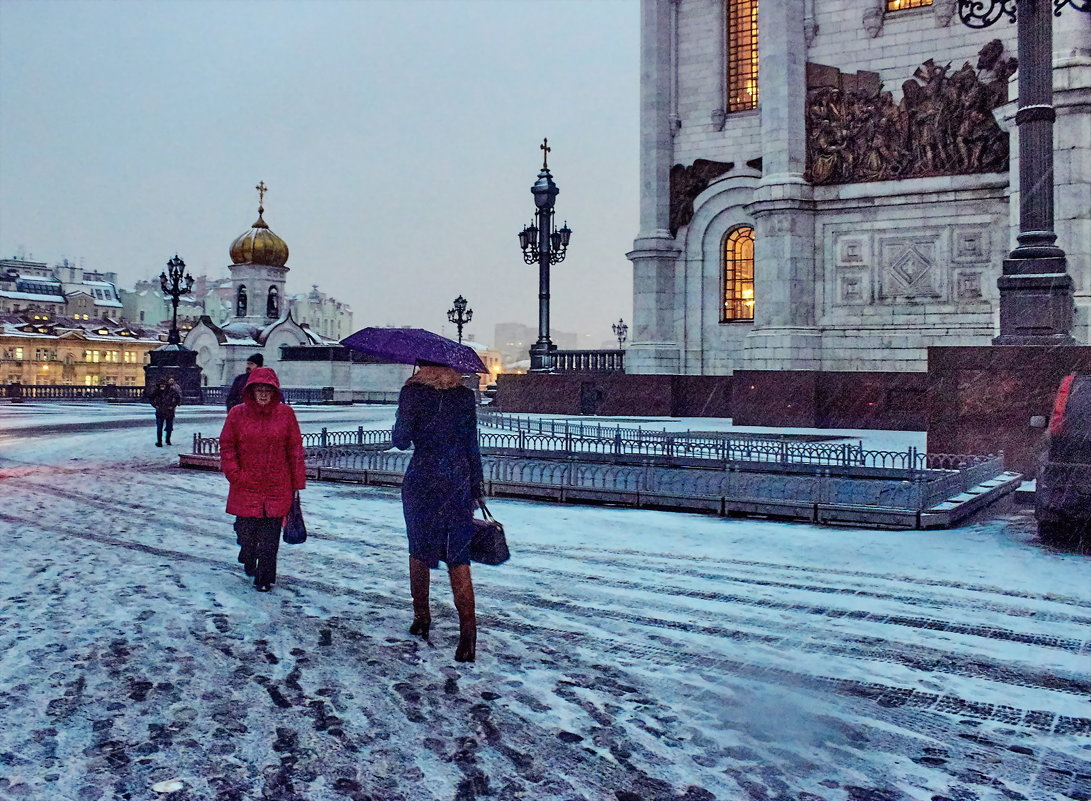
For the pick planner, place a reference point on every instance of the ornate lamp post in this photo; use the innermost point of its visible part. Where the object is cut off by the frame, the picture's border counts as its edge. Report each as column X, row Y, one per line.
column 460, row 315
column 172, row 359
column 544, row 243
column 175, row 283
column 620, row 331
column 1035, row 289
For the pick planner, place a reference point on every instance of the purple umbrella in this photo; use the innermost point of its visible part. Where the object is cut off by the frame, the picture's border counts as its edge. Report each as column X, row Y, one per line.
column 414, row 345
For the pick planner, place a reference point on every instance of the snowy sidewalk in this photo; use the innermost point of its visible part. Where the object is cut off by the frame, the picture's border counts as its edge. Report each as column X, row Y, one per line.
column 623, row 654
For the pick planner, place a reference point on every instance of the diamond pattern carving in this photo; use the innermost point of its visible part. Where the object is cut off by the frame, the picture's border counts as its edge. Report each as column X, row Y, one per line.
column 908, row 269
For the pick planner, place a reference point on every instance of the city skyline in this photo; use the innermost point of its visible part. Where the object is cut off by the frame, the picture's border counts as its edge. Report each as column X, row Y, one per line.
column 129, row 137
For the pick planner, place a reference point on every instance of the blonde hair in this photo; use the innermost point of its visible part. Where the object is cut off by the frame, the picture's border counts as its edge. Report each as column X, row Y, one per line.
column 436, row 377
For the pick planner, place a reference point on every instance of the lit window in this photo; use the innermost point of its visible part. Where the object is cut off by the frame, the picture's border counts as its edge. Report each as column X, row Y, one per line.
column 739, row 275
column 901, row 5
column 742, row 54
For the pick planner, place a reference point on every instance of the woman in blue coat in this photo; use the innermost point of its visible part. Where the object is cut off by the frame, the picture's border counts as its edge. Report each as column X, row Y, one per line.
column 437, row 417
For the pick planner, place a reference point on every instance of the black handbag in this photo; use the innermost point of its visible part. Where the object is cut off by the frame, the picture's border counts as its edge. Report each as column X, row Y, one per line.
column 295, row 530
column 488, row 545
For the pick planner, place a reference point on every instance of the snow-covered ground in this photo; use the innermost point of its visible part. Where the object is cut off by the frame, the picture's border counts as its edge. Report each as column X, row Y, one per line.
column 624, row 654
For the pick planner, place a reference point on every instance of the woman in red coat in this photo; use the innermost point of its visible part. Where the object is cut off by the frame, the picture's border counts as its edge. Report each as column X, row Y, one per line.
column 261, row 453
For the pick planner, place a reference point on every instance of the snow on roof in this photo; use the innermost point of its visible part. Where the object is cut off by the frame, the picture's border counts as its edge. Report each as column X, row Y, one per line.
column 58, row 298
column 475, row 345
column 240, row 332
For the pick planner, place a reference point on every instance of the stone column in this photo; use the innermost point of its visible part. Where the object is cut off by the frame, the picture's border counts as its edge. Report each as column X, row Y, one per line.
column 784, row 336
column 1072, row 156
column 1035, row 288
column 654, row 344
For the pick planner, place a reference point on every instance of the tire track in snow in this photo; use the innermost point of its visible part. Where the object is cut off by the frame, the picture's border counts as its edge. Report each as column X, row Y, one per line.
column 1072, row 645
column 919, row 658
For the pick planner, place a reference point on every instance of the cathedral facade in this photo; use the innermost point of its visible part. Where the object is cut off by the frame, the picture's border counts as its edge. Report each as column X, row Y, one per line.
column 832, row 185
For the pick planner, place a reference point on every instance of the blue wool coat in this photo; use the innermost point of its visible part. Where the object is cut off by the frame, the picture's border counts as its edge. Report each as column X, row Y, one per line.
column 444, row 476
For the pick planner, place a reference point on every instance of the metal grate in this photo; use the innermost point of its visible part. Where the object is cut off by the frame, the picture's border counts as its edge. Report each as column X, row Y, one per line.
column 739, row 275
column 742, row 54
column 902, row 5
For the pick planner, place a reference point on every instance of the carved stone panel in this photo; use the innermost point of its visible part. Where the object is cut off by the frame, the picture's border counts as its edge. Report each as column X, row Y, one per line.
column 970, row 245
column 968, row 285
column 852, row 289
column 907, row 268
column 851, row 251
column 850, row 282
column 943, row 124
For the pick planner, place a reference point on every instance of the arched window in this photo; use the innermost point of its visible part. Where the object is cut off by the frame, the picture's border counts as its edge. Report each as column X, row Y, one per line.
column 901, row 5
column 272, row 305
column 240, row 301
column 742, row 54
column 738, row 286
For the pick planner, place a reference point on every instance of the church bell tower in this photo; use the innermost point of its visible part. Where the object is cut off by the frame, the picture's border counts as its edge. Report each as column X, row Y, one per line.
column 258, row 272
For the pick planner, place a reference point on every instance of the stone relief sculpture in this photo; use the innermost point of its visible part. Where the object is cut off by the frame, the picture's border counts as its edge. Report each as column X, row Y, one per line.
column 686, row 183
column 942, row 126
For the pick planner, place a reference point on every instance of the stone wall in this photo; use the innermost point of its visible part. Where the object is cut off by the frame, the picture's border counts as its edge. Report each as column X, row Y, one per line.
column 984, row 400
column 807, row 399
column 813, row 399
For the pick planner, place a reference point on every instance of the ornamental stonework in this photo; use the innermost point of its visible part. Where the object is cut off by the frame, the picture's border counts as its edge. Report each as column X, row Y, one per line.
column 943, row 125
column 686, row 183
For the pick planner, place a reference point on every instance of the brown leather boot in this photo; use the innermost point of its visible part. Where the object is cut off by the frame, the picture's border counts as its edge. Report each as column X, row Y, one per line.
column 462, row 586
column 418, row 588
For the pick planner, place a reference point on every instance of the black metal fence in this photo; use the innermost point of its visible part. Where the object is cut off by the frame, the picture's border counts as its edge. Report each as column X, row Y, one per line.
column 946, row 474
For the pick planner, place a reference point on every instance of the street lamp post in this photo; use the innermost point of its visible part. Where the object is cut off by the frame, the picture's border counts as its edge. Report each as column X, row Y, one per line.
column 621, row 331
column 544, row 243
column 175, row 283
column 1035, row 287
column 460, row 315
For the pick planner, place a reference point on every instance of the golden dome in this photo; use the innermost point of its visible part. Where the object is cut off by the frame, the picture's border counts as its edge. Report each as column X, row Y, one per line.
column 259, row 245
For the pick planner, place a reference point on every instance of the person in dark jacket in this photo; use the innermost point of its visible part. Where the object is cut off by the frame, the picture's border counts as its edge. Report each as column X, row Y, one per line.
column 234, row 395
column 436, row 415
column 165, row 397
column 261, row 453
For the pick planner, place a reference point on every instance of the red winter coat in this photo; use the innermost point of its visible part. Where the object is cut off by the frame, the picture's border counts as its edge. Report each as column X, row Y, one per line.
column 261, row 453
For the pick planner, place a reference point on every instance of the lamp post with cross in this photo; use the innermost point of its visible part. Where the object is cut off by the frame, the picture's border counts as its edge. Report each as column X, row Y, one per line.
column 1035, row 288
column 544, row 243
column 460, row 315
column 175, row 282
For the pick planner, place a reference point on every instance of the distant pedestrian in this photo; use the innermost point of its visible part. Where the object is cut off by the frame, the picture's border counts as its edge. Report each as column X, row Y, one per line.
column 261, row 453
column 165, row 397
column 436, row 415
column 234, row 395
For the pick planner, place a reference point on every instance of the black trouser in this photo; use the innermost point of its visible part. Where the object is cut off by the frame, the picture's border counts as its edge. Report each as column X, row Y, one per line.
column 259, row 541
column 162, row 421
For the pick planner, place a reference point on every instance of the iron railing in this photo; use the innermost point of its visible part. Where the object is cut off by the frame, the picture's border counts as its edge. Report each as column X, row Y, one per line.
column 804, row 486
column 945, row 474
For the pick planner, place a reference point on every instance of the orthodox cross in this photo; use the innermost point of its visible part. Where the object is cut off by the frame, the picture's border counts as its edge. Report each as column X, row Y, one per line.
column 545, row 148
column 262, row 189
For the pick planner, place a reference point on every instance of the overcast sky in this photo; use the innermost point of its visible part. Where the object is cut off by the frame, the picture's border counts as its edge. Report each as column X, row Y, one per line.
column 398, row 139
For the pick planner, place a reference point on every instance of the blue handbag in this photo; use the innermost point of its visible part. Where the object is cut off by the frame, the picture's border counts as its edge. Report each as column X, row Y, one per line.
column 295, row 530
